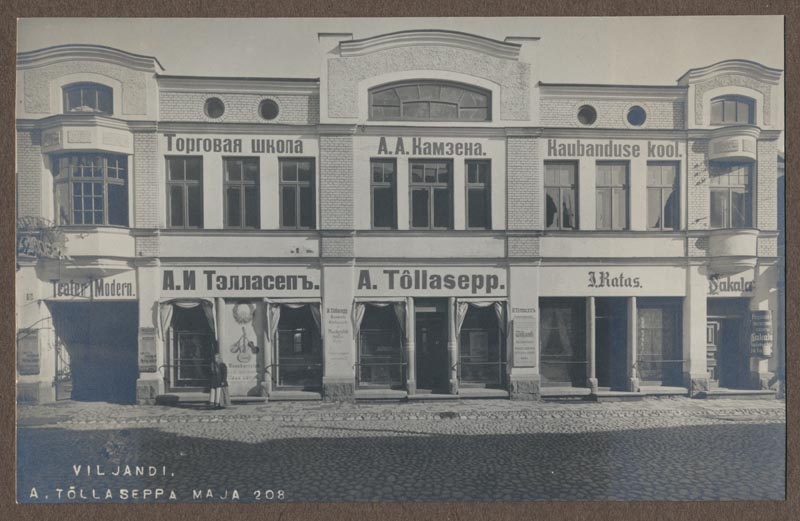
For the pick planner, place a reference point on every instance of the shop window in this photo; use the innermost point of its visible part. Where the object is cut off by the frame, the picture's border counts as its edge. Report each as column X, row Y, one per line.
column 732, row 110
column 612, row 196
column 192, row 348
column 481, row 358
column 299, row 349
column 298, row 203
column 431, row 195
column 659, row 353
column 560, row 186
column 91, row 189
column 185, row 192
column 731, row 196
column 429, row 101
column 479, row 197
column 384, row 194
column 89, row 98
column 380, row 355
column 662, row 196
column 563, row 343
column 242, row 192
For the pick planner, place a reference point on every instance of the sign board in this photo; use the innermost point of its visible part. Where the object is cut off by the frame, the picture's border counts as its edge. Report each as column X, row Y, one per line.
column 525, row 342
column 612, row 281
column 739, row 285
column 121, row 286
column 761, row 333
column 148, row 359
column 28, row 352
column 431, row 281
column 612, row 149
column 240, row 282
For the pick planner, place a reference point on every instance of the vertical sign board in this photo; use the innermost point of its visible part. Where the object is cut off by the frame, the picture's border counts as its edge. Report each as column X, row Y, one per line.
column 761, row 333
column 28, row 352
column 525, row 352
column 148, row 361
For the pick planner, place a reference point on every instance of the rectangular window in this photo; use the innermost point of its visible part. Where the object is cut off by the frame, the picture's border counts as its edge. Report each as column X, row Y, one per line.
column 659, row 352
column 241, row 192
column 563, row 341
column 612, row 196
column 185, row 192
column 431, row 194
column 384, row 194
column 91, row 189
column 560, row 182
column 479, row 201
column 662, row 196
column 298, row 202
column 731, row 196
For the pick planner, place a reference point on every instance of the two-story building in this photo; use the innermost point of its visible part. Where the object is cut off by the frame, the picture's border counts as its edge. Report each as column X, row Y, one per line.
column 428, row 218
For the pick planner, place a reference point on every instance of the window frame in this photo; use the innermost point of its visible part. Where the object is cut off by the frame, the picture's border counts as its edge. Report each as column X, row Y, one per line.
column 312, row 184
column 431, row 187
column 392, row 185
column 611, row 188
column 241, row 185
column 184, row 184
column 661, row 187
column 485, row 187
column 749, row 193
column 418, row 83
column 574, row 188
column 98, row 89
column 69, row 179
column 738, row 99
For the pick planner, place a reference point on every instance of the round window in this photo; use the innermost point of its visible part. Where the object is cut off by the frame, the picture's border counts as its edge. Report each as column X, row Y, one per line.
column 636, row 116
column 587, row 115
column 214, row 108
column 268, row 109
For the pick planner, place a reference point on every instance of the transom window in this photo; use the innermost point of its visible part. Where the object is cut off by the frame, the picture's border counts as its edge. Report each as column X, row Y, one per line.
column 727, row 110
column 88, row 97
column 91, row 189
column 429, row 101
column 731, row 196
column 431, row 195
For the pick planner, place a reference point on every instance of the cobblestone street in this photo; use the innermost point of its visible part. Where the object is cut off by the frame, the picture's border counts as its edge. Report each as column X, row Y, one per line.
column 480, row 450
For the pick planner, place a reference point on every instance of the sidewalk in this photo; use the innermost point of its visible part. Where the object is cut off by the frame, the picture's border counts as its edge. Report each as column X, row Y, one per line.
column 104, row 413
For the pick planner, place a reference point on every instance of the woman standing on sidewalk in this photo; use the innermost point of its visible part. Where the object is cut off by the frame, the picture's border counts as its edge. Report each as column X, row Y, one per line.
column 219, row 380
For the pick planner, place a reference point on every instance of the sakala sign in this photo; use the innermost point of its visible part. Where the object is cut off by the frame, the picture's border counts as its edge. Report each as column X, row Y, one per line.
column 431, row 281
column 719, row 285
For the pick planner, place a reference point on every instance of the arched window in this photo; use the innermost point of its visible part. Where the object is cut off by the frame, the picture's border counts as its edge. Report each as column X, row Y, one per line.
column 731, row 110
column 88, row 97
column 429, row 101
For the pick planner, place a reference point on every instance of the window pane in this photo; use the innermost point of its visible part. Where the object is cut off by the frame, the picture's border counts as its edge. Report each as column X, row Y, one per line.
column 654, row 208
column 194, row 169
column 251, row 208
column 429, row 92
column 478, row 211
column 416, row 110
column 419, row 208
column 729, row 111
column 716, row 111
column 289, row 171
column 233, row 215
column 73, row 100
column 444, row 111
column 307, row 215
column 474, row 114
column 385, row 97
column 417, row 173
column 603, row 214
column 719, row 208
column 304, row 171
column 386, row 112
column 743, row 112
column 620, row 209
column 441, row 208
column 176, row 206
column 653, row 175
column 117, row 205
column 62, row 204
column 740, row 211
column 250, row 173
column 568, row 208
column 106, row 105
column 671, row 220
column 233, row 169
column 288, row 206
column 175, row 167
column 408, row 92
column 195, row 206
column 383, row 207
column 551, row 208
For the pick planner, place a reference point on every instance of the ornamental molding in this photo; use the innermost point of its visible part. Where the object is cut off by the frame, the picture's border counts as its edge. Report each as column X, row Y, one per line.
column 432, row 37
column 613, row 92
column 749, row 68
column 258, row 86
column 85, row 52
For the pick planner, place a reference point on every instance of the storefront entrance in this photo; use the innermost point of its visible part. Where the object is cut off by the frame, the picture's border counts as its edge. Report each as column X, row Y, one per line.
column 611, row 342
column 481, row 348
column 96, row 350
column 727, row 346
column 433, row 370
column 563, row 343
column 381, row 360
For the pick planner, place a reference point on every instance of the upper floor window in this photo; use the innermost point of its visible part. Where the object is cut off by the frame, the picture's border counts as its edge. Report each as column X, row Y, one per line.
column 662, row 196
column 88, row 97
column 731, row 196
column 479, row 197
column 91, row 189
column 431, row 194
column 384, row 189
column 730, row 110
column 429, row 101
column 241, row 192
column 185, row 192
column 612, row 196
column 560, row 183
column 298, row 202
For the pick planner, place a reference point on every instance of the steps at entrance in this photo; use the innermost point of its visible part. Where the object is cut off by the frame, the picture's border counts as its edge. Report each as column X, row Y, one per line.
column 737, row 394
column 482, row 392
column 294, row 396
column 431, row 397
column 616, row 396
column 178, row 399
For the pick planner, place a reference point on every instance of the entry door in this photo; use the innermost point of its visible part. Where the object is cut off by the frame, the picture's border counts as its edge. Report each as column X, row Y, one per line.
column 433, row 371
column 733, row 362
column 63, row 381
column 611, row 342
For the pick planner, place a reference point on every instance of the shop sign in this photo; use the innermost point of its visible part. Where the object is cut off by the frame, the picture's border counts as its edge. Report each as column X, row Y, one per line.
column 662, row 281
column 761, row 333
column 613, row 149
column 422, row 282
column 229, row 145
column 239, row 282
column 525, row 342
column 28, row 352
column 148, row 360
column 424, row 147
column 116, row 287
column 730, row 285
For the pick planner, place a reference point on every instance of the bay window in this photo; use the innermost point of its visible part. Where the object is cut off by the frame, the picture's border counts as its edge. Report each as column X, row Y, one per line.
column 731, row 196
column 91, row 189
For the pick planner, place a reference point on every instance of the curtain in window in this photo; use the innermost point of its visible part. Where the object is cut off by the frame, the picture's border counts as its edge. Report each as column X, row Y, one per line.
column 360, row 308
column 274, row 316
column 209, row 309
column 463, row 306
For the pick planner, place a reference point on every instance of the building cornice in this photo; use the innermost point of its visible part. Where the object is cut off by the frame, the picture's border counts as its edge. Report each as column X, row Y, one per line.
column 87, row 52
column 607, row 91
column 195, row 127
column 612, row 133
column 263, row 86
column 743, row 67
column 85, row 120
column 435, row 37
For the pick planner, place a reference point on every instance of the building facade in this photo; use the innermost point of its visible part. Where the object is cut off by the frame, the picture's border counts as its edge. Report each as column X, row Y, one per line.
column 429, row 217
